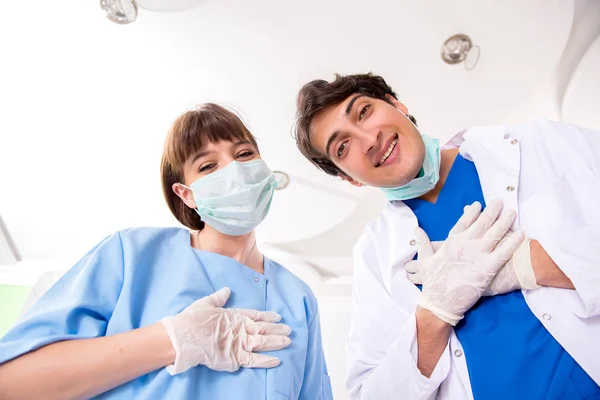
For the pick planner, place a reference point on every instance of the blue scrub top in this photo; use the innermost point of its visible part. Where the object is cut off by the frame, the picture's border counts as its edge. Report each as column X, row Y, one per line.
column 509, row 353
column 136, row 277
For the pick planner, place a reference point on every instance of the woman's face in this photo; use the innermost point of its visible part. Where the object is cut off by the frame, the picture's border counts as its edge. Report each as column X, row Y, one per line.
column 209, row 159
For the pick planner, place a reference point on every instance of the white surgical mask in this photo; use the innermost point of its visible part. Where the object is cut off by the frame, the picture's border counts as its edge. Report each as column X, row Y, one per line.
column 235, row 199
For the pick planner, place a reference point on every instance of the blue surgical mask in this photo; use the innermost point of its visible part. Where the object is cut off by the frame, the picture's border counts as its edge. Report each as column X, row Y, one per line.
column 235, row 199
column 427, row 178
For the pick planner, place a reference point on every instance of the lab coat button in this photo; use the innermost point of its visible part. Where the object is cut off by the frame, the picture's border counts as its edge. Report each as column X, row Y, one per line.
column 458, row 353
column 510, row 188
column 412, row 242
column 514, row 141
column 256, row 279
column 547, row 317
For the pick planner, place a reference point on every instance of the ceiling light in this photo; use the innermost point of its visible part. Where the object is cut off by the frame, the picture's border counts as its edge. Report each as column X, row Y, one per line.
column 283, row 179
column 125, row 11
column 459, row 48
column 120, row 11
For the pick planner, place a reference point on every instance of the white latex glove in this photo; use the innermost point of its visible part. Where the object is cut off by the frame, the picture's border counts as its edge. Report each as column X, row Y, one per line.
column 516, row 274
column 457, row 275
column 224, row 339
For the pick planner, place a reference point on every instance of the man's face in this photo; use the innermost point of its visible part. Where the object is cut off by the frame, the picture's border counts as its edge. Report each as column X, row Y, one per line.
column 371, row 140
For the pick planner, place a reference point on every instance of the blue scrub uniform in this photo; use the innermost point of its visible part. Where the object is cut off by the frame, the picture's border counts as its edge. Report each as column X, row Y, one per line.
column 509, row 353
column 136, row 277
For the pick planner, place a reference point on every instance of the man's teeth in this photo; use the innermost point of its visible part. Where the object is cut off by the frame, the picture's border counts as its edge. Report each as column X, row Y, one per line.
column 389, row 151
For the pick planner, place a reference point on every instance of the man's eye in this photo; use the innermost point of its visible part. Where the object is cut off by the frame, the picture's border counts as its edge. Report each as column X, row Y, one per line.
column 340, row 151
column 363, row 111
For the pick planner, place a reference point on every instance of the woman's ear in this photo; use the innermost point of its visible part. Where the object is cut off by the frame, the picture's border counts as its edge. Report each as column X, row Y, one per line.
column 185, row 195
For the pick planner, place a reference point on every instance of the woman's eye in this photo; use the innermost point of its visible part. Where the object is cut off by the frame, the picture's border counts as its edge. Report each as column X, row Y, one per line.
column 363, row 111
column 246, row 154
column 206, row 167
column 340, row 150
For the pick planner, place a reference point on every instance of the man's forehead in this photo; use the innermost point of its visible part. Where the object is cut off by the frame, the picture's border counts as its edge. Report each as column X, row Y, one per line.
column 324, row 125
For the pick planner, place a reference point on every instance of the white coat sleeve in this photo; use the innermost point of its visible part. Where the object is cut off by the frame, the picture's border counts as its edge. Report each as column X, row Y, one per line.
column 575, row 246
column 382, row 348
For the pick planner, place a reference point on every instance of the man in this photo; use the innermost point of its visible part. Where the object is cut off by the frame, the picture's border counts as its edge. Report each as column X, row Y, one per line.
column 534, row 332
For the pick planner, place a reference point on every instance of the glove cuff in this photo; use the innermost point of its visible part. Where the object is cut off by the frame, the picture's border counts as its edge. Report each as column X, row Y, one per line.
column 180, row 365
column 523, row 267
column 438, row 312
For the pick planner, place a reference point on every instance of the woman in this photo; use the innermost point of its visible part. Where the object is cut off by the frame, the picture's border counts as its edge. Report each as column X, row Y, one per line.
column 149, row 298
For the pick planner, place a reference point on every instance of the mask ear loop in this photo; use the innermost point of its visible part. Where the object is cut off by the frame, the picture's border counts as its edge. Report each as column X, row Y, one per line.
column 190, row 189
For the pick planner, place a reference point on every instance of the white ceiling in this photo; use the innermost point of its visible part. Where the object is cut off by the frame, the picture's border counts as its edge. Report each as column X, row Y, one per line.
column 86, row 103
column 581, row 103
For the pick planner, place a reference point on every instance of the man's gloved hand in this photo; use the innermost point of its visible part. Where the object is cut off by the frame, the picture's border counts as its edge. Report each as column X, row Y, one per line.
column 458, row 274
column 516, row 274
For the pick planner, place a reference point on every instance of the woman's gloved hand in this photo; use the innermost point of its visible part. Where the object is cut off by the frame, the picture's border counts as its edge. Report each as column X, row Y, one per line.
column 516, row 274
column 224, row 339
column 457, row 275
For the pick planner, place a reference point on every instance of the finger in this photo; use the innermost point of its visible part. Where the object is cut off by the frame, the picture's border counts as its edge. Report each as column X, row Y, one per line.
column 412, row 266
column 507, row 248
column 469, row 216
column 485, row 220
column 255, row 315
column 267, row 328
column 260, row 361
column 267, row 342
column 425, row 247
column 501, row 228
column 416, row 278
column 218, row 298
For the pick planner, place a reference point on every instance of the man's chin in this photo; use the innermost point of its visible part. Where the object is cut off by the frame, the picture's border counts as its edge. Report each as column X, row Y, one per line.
column 392, row 184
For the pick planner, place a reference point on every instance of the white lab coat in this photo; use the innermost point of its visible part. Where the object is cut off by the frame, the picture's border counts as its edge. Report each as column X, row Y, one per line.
column 550, row 173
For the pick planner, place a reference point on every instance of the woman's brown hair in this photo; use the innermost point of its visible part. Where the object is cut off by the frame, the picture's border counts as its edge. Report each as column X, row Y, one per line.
column 190, row 131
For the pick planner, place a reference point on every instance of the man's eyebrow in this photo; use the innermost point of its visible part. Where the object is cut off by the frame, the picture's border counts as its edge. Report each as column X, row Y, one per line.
column 330, row 141
column 333, row 137
column 351, row 103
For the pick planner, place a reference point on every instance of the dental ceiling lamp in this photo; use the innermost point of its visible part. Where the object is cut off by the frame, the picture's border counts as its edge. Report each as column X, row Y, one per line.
column 459, row 48
column 125, row 11
column 282, row 179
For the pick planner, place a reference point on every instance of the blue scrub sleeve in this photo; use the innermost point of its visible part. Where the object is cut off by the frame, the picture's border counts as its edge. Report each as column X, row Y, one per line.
column 78, row 306
column 316, row 384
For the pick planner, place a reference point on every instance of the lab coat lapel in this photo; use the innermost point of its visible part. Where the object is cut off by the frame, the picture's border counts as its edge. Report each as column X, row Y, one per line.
column 497, row 157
